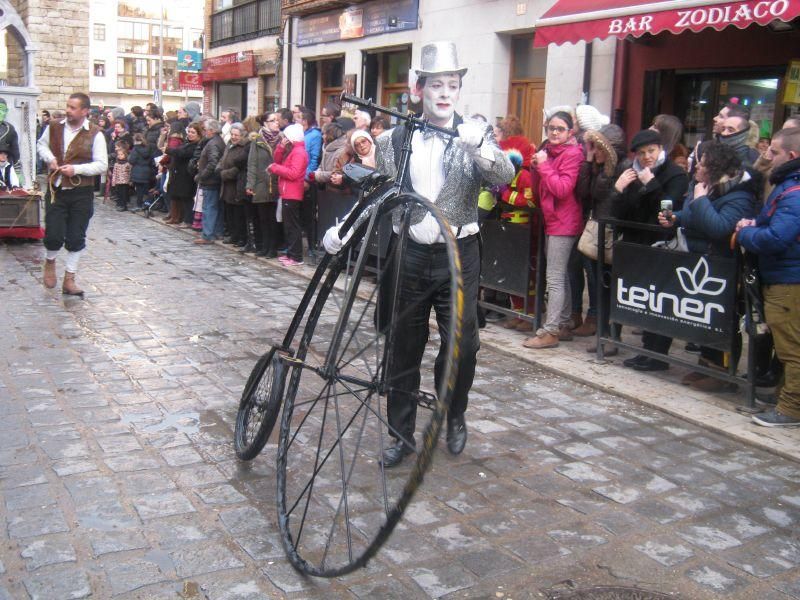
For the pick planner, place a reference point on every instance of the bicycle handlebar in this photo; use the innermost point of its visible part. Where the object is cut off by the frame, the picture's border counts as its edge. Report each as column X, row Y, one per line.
column 420, row 123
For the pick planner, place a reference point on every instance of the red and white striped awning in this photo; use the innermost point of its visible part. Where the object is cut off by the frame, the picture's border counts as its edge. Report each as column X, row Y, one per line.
column 576, row 20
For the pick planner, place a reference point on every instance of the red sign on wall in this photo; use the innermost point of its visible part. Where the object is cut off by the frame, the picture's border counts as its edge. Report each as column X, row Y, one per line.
column 190, row 81
column 238, row 65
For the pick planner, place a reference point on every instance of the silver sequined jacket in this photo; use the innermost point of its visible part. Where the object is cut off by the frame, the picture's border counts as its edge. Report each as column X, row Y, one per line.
column 463, row 174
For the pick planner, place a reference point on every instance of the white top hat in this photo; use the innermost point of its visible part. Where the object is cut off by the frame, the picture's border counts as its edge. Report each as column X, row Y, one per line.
column 437, row 58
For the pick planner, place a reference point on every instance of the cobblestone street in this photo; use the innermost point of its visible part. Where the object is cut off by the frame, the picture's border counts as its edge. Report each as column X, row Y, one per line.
column 118, row 476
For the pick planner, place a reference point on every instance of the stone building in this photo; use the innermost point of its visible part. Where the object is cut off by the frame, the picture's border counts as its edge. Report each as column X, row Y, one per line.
column 61, row 33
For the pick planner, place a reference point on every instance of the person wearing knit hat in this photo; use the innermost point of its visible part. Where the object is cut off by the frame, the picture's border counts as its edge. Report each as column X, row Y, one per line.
column 193, row 111
column 291, row 160
column 589, row 118
column 606, row 160
column 653, row 177
column 117, row 113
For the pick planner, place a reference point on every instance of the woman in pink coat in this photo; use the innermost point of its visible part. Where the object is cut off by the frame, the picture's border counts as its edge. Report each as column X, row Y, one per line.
column 291, row 160
column 555, row 172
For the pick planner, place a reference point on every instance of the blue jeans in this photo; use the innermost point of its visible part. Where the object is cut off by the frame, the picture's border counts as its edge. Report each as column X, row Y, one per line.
column 212, row 215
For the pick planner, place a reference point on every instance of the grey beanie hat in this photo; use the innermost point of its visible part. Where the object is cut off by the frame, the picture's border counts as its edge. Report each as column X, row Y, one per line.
column 192, row 109
column 118, row 112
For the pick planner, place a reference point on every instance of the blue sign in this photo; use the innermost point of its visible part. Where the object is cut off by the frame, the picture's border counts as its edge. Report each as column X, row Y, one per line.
column 190, row 60
column 370, row 18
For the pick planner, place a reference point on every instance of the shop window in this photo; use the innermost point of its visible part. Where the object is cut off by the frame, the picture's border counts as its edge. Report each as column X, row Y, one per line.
column 331, row 80
column 99, row 32
column 271, row 95
column 395, row 79
column 99, row 69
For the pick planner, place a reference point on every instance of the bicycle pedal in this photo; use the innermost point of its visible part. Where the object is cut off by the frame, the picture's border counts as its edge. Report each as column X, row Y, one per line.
column 425, row 399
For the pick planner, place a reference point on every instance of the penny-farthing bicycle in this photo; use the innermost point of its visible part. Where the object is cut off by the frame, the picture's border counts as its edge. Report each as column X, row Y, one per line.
column 337, row 504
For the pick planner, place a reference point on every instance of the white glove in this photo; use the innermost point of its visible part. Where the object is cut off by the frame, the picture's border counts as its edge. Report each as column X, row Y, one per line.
column 331, row 240
column 470, row 136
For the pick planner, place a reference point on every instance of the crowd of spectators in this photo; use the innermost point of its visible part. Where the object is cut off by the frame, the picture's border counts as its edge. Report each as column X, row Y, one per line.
column 256, row 183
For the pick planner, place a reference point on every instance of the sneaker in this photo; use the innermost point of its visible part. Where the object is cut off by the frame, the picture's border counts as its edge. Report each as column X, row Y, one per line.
column 773, row 418
column 290, row 262
column 766, row 400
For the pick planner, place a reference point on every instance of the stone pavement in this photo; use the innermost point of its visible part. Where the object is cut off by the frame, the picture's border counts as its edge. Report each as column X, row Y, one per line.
column 118, row 478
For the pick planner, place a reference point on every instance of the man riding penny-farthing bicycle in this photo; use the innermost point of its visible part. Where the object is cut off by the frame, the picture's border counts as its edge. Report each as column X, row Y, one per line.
column 343, row 481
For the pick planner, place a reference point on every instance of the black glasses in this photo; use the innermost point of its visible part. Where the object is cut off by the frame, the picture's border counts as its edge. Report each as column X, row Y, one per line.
column 556, row 129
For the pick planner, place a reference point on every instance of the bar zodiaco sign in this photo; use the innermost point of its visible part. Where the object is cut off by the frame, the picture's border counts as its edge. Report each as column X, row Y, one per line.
column 688, row 296
column 741, row 14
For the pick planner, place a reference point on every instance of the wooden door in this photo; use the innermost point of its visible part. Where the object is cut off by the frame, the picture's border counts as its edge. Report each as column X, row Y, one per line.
column 526, row 101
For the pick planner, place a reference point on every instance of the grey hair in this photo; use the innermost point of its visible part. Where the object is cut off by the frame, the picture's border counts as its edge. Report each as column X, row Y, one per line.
column 213, row 125
column 365, row 115
column 242, row 129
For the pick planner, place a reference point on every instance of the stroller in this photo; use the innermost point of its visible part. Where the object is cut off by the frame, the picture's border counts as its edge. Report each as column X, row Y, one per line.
column 159, row 199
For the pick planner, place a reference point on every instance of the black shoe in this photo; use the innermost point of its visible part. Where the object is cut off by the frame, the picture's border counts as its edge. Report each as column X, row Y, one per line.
column 494, row 316
column 631, row 362
column 228, row 240
column 651, row 364
column 240, row 244
column 262, row 253
column 247, row 248
column 394, row 455
column 122, row 209
column 272, row 254
column 456, row 434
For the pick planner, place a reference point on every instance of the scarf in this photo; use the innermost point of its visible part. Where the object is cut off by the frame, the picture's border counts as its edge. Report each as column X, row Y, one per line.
column 727, row 183
column 735, row 140
column 662, row 158
column 270, row 138
column 780, row 174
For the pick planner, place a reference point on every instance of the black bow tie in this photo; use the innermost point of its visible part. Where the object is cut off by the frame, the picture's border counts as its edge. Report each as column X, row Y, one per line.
column 429, row 133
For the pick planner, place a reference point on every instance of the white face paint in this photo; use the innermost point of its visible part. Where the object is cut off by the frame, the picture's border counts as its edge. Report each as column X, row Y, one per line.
column 439, row 97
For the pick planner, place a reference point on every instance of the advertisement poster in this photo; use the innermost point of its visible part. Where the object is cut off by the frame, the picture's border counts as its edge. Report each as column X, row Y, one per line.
column 190, row 60
column 190, row 81
column 687, row 296
column 370, row 18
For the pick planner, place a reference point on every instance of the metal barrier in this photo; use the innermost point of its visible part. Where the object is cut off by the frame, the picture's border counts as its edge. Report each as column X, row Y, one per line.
column 643, row 305
column 505, row 268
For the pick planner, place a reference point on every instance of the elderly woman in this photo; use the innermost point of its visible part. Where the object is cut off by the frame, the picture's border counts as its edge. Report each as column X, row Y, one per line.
column 232, row 169
column 262, row 187
column 638, row 193
column 555, row 174
column 334, row 136
column 723, row 194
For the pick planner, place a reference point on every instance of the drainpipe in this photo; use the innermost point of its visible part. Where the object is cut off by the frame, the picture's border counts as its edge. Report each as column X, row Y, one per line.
column 620, row 76
column 289, row 64
column 587, row 73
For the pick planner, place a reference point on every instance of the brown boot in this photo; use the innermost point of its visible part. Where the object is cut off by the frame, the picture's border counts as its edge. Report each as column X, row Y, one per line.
column 511, row 323
column 564, row 334
column 525, row 326
column 69, row 287
column 540, row 342
column 588, row 328
column 576, row 320
column 49, row 278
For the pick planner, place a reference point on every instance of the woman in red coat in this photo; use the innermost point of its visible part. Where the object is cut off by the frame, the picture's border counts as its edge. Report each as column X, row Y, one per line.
column 291, row 160
column 555, row 174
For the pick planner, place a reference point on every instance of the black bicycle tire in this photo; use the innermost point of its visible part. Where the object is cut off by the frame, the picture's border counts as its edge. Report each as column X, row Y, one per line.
column 248, row 450
column 430, row 433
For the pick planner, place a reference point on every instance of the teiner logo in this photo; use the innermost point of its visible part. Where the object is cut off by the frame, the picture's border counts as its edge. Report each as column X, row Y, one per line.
column 694, row 282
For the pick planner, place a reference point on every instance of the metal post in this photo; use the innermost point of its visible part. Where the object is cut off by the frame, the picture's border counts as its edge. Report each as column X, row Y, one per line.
column 599, row 265
column 161, row 54
column 540, row 274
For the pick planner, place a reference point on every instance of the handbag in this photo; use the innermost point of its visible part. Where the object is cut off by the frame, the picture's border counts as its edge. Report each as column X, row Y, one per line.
column 587, row 244
column 676, row 244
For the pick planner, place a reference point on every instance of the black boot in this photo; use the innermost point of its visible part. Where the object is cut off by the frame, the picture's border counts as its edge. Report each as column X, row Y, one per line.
column 250, row 246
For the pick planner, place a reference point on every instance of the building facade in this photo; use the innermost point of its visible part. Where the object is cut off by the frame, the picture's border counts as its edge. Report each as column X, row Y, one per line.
column 241, row 70
column 126, row 50
column 372, row 46
column 61, row 33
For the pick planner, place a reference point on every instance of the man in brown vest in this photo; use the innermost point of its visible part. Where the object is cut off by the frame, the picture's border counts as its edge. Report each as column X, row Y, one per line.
column 75, row 155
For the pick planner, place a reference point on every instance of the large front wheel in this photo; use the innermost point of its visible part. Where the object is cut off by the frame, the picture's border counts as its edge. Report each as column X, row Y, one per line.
column 337, row 504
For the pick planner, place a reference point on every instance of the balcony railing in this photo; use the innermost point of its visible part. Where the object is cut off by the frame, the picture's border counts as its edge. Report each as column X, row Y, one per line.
column 298, row 8
column 245, row 22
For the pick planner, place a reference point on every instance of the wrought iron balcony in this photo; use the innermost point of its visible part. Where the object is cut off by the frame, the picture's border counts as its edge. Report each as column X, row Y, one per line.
column 245, row 22
column 298, row 8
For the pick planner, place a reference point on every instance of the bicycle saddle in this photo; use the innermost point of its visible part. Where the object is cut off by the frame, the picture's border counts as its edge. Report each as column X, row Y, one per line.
column 363, row 177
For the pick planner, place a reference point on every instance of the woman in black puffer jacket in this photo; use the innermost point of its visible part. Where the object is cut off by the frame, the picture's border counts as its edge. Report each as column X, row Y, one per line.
column 605, row 161
column 181, row 188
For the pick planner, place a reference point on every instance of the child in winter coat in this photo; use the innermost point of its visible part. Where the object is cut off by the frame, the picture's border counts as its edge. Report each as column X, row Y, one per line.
column 291, row 160
column 141, row 163
column 121, row 177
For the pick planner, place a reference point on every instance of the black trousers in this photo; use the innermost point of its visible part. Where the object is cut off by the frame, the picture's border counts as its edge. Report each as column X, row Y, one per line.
column 425, row 284
column 308, row 214
column 123, row 193
column 268, row 226
column 68, row 218
column 293, row 228
column 235, row 222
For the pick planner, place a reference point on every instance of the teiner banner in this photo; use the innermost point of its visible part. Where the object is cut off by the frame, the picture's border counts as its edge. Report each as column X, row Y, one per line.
column 679, row 294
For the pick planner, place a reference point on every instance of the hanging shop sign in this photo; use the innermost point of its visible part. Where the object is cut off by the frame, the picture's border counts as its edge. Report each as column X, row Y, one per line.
column 370, row 18
column 792, row 87
column 190, row 81
column 238, row 65
column 688, row 296
column 190, row 60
